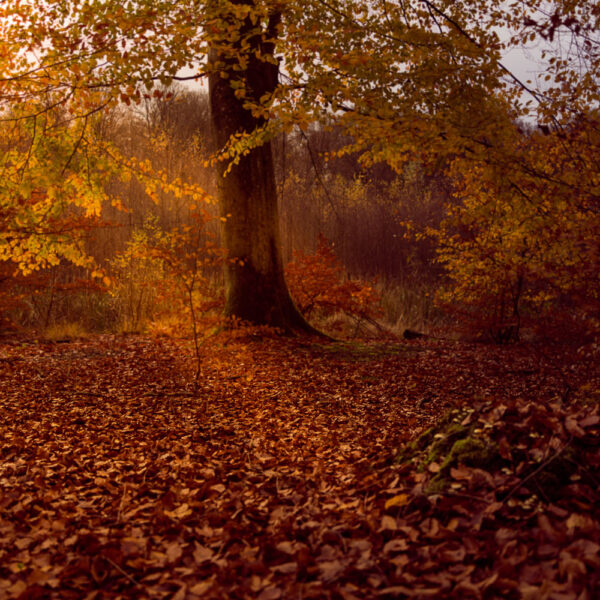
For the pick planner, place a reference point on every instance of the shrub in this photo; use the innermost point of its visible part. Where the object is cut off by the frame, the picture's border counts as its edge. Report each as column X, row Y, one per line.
column 320, row 288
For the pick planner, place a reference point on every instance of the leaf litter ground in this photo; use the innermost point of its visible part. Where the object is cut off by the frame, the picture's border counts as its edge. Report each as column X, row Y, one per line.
column 278, row 477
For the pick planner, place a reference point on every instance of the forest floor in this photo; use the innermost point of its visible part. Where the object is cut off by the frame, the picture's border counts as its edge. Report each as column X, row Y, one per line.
column 278, row 477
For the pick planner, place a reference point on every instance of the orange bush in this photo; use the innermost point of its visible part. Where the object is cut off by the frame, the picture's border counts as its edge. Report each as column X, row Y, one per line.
column 319, row 286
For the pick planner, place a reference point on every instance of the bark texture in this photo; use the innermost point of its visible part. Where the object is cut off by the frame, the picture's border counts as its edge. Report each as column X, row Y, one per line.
column 256, row 287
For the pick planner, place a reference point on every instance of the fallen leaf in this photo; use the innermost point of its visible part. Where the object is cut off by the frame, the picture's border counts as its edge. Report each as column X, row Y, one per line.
column 399, row 500
column 180, row 512
column 286, row 547
column 270, row 593
column 173, row 551
column 201, row 587
column 396, row 545
column 388, row 523
column 202, row 553
column 285, row 568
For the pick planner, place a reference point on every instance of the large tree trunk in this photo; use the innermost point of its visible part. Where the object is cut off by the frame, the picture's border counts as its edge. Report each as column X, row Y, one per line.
column 255, row 285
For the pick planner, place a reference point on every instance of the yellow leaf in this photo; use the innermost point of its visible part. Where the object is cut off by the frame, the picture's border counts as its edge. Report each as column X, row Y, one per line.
column 399, row 500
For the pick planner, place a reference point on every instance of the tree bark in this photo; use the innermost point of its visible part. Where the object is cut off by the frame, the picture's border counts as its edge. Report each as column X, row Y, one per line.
column 256, row 290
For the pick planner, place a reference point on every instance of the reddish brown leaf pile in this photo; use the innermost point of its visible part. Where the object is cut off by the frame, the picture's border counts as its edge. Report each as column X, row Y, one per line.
column 278, row 479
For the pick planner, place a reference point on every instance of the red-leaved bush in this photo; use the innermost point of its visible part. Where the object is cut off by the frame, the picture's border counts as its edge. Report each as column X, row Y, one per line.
column 320, row 287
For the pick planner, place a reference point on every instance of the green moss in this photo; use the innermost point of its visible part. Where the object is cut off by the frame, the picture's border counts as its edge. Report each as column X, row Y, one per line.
column 469, row 451
column 472, row 452
column 461, row 438
column 445, row 442
column 437, row 485
column 434, row 443
column 412, row 451
column 449, row 443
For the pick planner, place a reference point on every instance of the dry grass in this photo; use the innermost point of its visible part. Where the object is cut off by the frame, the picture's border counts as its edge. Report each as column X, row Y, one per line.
column 410, row 307
column 64, row 331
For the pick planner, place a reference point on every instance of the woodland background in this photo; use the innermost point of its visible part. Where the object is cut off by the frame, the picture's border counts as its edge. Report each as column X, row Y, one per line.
column 440, row 184
column 367, row 248
column 339, row 223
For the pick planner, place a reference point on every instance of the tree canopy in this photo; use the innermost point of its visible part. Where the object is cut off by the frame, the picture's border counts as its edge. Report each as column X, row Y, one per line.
column 405, row 79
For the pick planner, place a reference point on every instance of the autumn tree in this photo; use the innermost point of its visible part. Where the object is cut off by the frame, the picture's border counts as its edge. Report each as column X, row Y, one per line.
column 243, row 73
column 520, row 243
